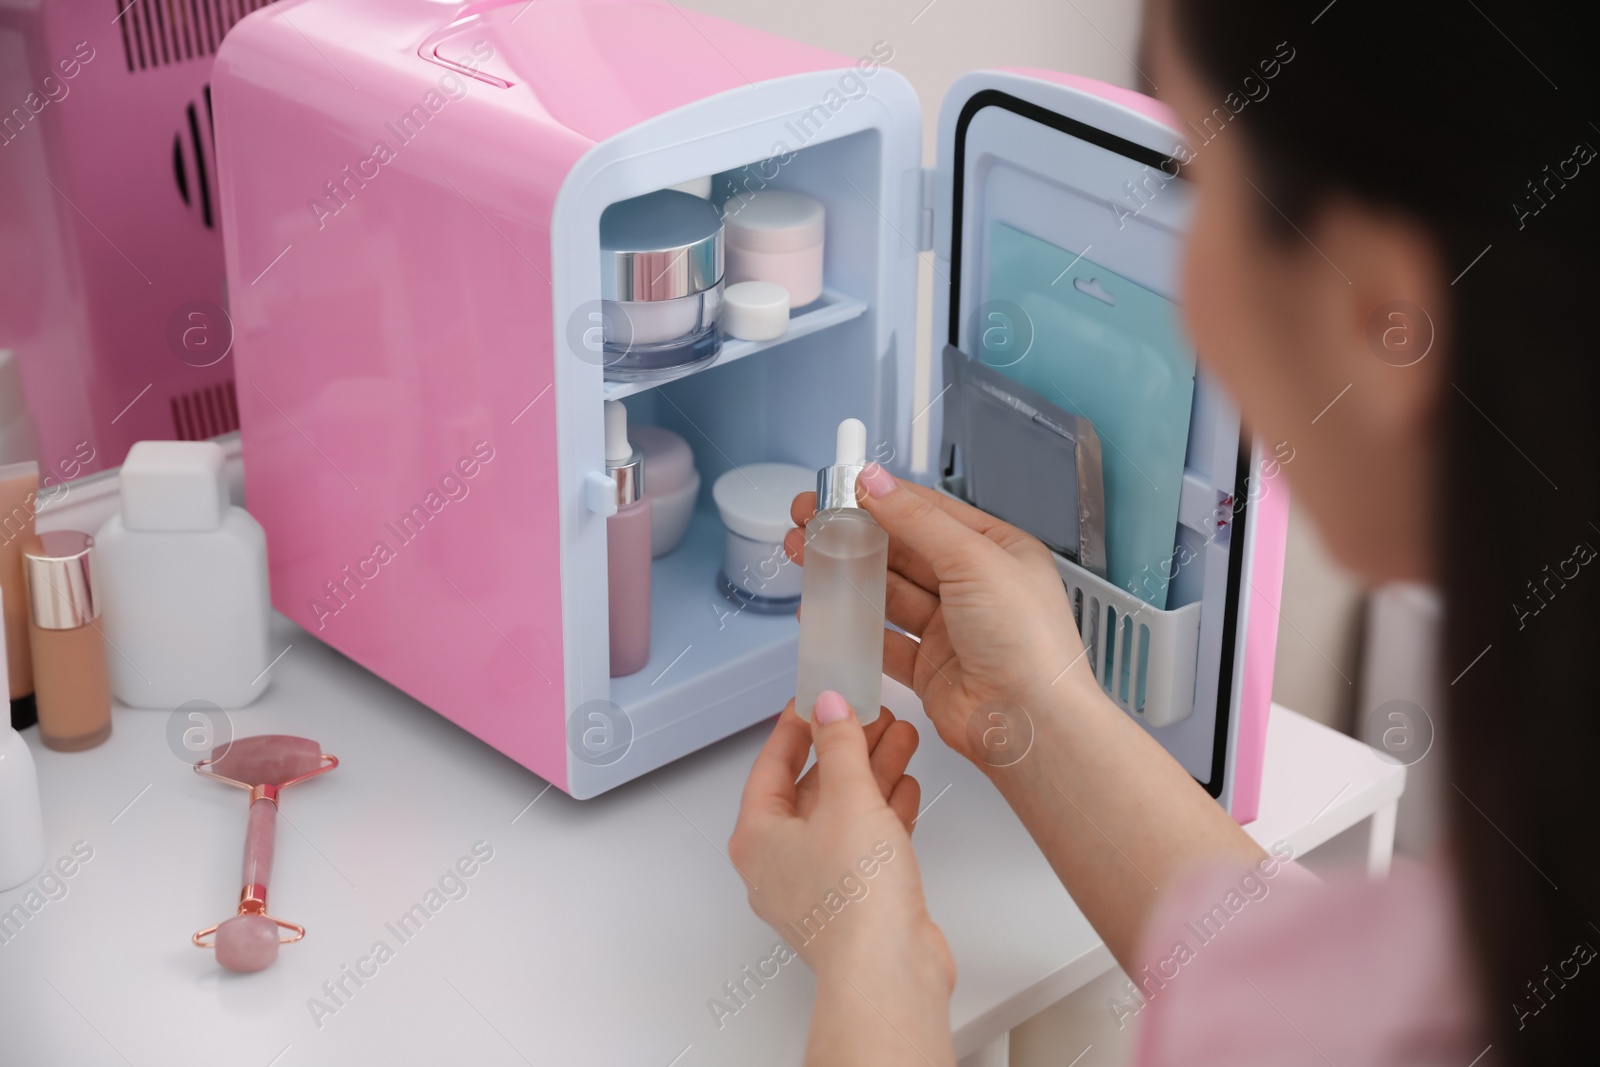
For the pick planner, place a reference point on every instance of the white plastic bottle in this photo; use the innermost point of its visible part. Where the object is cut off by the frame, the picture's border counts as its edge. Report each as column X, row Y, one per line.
column 183, row 576
column 842, row 589
column 21, row 822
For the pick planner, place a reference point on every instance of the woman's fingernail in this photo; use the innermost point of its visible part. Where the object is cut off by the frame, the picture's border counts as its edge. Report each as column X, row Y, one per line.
column 831, row 707
column 877, row 481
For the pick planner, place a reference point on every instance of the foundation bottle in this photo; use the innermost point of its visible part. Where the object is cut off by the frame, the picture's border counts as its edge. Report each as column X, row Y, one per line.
column 842, row 589
column 69, row 658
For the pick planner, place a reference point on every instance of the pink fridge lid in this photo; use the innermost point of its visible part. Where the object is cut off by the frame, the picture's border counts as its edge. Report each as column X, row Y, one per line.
column 656, row 57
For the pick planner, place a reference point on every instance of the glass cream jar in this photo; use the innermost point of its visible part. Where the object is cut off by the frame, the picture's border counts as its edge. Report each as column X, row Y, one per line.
column 754, row 503
column 661, row 284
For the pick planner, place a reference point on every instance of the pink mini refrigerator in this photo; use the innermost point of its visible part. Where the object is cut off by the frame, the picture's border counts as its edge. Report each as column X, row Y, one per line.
column 111, row 281
column 422, row 401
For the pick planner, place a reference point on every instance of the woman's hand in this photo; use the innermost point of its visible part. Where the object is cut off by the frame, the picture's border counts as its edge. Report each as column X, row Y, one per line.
column 843, row 830
column 997, row 640
column 891, row 743
column 1001, row 672
column 828, row 864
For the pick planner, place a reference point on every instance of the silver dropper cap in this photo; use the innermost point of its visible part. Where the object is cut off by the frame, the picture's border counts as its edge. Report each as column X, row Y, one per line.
column 836, row 483
column 624, row 463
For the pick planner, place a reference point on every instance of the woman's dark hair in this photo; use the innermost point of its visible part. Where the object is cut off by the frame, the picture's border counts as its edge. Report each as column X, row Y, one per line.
column 1478, row 118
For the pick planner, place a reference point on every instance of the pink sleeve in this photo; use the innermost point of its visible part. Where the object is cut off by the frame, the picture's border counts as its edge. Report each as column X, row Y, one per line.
column 1276, row 967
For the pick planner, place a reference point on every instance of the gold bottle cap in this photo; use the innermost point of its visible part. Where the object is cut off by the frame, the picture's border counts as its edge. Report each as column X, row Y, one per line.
column 61, row 589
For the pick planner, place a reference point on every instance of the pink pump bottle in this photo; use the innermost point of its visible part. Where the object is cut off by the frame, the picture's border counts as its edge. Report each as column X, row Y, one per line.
column 627, row 548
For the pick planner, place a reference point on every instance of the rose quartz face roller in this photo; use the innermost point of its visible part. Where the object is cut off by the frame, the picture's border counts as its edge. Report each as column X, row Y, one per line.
column 266, row 765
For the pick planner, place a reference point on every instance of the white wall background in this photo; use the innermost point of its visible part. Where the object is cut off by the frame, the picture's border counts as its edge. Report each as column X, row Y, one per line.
column 935, row 43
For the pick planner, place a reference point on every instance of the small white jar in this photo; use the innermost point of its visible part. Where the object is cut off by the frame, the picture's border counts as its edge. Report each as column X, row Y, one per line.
column 776, row 236
column 754, row 503
column 755, row 311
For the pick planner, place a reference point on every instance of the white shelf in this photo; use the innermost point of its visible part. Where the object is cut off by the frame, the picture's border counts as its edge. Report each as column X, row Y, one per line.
column 831, row 309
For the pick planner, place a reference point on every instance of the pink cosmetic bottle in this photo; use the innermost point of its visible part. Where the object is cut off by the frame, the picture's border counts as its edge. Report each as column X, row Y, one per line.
column 627, row 548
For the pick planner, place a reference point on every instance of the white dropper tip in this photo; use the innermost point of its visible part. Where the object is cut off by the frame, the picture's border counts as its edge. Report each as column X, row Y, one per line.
column 618, row 448
column 850, row 448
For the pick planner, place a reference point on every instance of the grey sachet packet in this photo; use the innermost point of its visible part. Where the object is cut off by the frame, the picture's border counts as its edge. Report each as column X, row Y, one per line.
column 1011, row 452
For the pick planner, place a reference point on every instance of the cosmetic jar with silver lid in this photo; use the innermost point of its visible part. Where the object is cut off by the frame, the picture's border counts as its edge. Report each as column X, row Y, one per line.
column 661, row 259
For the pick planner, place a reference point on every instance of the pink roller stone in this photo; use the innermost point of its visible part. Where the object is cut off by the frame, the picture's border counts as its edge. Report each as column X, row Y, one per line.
column 247, row 943
column 266, row 759
column 263, row 764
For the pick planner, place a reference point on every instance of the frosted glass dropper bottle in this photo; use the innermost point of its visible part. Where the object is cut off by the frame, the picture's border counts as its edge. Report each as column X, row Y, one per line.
column 842, row 589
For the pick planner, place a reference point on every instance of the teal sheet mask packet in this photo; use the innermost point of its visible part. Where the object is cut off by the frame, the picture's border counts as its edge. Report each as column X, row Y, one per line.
column 1113, row 352
column 1025, row 460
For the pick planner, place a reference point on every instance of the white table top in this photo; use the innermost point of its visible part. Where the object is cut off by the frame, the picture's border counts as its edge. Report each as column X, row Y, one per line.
column 596, row 933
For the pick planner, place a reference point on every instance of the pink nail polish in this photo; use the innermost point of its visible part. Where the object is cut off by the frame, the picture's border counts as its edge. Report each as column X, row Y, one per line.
column 831, row 707
column 877, row 481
